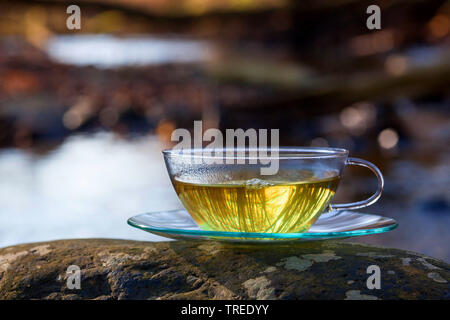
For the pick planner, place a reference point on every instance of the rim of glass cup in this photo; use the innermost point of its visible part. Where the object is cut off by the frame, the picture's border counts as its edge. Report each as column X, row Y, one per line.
column 290, row 153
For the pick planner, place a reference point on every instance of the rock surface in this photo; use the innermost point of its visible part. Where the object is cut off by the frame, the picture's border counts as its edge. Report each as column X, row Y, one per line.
column 119, row 269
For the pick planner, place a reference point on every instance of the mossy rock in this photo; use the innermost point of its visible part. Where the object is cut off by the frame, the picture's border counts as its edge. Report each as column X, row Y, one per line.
column 119, row 269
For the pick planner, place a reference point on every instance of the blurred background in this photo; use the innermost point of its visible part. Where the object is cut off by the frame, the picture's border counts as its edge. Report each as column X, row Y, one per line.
column 85, row 113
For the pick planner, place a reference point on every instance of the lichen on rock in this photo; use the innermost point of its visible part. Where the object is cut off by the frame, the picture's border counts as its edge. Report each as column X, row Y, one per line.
column 119, row 269
column 356, row 295
column 259, row 288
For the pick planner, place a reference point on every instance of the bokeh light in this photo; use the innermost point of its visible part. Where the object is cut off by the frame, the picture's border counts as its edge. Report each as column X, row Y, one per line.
column 396, row 64
column 358, row 117
column 388, row 138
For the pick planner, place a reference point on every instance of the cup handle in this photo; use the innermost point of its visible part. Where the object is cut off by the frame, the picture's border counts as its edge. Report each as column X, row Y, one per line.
column 370, row 200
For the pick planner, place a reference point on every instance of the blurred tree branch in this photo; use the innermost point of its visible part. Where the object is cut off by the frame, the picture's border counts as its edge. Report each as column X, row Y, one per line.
column 332, row 93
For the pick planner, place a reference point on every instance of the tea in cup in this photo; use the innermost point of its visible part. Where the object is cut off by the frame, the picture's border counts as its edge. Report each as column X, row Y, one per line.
column 236, row 196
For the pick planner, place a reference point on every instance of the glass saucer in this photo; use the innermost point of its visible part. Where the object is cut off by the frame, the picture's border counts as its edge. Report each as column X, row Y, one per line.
column 178, row 224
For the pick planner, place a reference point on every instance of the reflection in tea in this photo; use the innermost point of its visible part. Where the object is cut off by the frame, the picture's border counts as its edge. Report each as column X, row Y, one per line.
column 255, row 205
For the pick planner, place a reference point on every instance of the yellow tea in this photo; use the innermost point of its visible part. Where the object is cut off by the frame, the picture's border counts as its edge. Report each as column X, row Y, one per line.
column 256, row 205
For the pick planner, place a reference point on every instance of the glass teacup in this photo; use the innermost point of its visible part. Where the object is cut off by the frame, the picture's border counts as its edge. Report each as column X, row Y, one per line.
column 227, row 190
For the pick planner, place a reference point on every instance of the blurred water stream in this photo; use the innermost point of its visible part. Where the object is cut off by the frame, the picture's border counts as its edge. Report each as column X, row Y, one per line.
column 87, row 187
column 106, row 51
